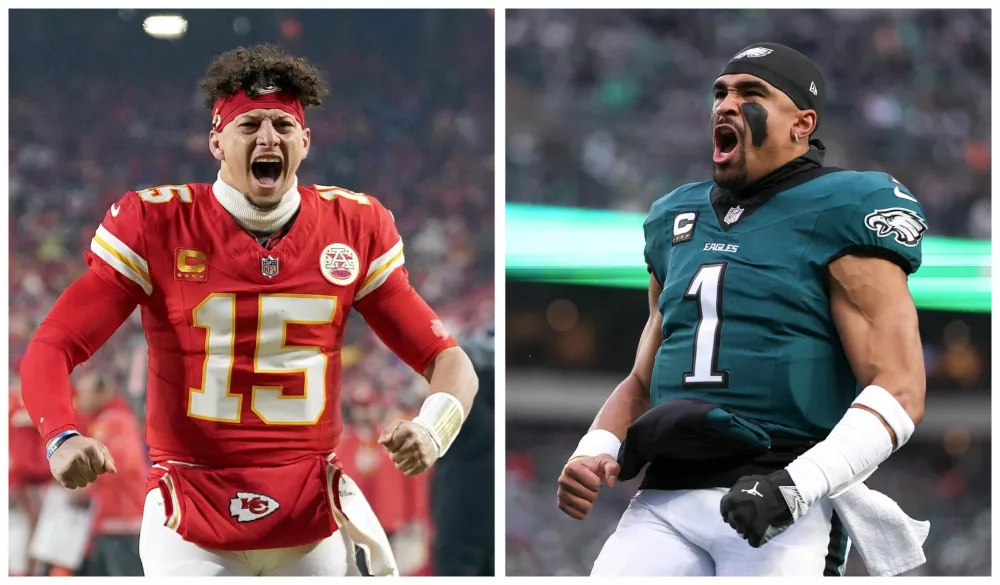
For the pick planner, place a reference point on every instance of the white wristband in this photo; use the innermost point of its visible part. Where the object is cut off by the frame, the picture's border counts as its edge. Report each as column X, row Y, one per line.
column 881, row 401
column 596, row 442
column 442, row 415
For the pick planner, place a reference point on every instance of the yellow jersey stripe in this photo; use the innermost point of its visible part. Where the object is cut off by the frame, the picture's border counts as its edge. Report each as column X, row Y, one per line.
column 376, row 280
column 122, row 248
column 371, row 278
column 123, row 265
column 383, row 260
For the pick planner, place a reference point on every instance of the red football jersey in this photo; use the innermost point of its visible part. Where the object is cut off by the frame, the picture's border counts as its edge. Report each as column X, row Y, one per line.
column 244, row 341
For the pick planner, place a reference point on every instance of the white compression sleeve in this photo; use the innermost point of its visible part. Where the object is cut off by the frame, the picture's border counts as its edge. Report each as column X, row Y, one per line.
column 854, row 447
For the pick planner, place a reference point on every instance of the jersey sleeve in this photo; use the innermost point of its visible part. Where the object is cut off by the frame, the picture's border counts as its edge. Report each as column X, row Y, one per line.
column 118, row 249
column 386, row 273
column 391, row 306
column 887, row 222
column 656, row 230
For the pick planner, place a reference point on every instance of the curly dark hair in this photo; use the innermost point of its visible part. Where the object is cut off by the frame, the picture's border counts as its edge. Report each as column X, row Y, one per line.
column 257, row 67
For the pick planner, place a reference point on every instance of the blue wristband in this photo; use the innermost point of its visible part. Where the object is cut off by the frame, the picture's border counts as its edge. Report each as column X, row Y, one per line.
column 58, row 440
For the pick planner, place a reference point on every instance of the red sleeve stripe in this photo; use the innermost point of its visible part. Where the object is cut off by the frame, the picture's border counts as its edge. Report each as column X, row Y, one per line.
column 122, row 258
column 380, row 269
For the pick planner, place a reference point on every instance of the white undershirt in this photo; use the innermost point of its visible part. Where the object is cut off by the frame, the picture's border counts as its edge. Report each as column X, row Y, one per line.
column 252, row 218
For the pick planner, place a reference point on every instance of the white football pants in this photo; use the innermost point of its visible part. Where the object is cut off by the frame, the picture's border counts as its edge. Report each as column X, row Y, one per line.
column 682, row 533
column 165, row 554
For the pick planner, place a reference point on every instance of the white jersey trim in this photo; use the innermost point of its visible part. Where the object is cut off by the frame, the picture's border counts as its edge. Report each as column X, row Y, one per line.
column 119, row 256
column 380, row 269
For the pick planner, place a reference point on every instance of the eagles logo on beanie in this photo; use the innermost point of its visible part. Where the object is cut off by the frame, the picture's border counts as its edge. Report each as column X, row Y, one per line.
column 786, row 69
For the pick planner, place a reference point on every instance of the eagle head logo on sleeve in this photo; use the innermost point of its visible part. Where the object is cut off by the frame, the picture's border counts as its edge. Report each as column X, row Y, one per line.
column 904, row 224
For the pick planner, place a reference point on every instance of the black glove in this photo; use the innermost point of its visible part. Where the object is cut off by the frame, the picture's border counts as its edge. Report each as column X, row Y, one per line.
column 757, row 509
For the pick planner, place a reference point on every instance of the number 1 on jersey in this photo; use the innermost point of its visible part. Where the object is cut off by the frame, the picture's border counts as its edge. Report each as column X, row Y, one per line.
column 706, row 290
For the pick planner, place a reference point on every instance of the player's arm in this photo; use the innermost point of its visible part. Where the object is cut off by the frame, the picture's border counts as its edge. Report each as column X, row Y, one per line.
column 84, row 317
column 412, row 330
column 596, row 458
column 877, row 322
column 452, row 373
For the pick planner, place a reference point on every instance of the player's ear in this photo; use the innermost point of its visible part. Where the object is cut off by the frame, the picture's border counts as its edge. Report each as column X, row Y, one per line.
column 804, row 124
column 215, row 145
column 306, row 140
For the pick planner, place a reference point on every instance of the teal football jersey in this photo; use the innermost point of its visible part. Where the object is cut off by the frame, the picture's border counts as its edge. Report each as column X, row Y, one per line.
column 746, row 310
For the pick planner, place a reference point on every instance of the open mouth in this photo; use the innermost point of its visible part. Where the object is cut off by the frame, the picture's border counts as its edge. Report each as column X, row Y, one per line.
column 266, row 170
column 726, row 141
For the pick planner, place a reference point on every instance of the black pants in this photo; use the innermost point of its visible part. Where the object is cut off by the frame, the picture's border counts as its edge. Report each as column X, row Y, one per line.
column 113, row 556
column 463, row 558
column 462, row 510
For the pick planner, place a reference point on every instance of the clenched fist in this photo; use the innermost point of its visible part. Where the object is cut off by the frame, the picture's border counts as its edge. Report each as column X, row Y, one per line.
column 581, row 479
column 79, row 460
column 410, row 446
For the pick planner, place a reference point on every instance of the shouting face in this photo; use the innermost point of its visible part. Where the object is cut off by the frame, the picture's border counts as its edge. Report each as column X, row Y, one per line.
column 260, row 152
column 753, row 130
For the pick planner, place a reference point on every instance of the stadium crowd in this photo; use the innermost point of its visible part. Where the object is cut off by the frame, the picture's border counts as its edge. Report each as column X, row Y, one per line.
column 610, row 109
column 409, row 120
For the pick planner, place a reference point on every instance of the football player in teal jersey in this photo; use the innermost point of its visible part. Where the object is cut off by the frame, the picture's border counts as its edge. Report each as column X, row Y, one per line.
column 781, row 361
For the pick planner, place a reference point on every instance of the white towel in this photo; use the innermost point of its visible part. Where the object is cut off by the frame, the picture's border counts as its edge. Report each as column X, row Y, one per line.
column 363, row 528
column 889, row 541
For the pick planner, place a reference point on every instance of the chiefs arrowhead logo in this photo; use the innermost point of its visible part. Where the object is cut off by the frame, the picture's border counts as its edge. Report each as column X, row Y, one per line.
column 247, row 507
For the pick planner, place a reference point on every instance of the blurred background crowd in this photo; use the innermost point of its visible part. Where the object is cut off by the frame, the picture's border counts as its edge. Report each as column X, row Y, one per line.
column 409, row 119
column 610, row 110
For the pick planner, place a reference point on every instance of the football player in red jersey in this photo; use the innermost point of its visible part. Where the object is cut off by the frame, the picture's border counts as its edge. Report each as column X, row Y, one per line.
column 245, row 286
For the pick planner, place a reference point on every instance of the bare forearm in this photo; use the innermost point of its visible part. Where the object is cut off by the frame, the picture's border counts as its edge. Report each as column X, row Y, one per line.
column 896, row 362
column 877, row 322
column 452, row 372
column 629, row 401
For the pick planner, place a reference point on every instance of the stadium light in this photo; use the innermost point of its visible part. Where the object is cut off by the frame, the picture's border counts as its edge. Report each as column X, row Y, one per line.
column 604, row 248
column 165, row 26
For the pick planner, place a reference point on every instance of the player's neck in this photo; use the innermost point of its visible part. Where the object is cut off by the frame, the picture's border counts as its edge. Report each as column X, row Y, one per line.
column 252, row 218
column 794, row 163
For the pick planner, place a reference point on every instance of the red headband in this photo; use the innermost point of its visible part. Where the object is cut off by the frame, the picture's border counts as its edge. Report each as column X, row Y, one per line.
column 227, row 108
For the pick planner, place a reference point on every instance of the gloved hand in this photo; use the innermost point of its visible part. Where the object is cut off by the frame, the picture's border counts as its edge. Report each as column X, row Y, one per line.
column 760, row 507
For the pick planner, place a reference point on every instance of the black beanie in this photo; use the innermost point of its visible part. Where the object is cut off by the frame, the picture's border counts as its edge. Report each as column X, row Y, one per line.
column 786, row 69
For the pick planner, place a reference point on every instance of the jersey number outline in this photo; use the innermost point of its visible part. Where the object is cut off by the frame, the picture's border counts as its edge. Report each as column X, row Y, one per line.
column 272, row 355
column 706, row 288
column 330, row 193
column 166, row 193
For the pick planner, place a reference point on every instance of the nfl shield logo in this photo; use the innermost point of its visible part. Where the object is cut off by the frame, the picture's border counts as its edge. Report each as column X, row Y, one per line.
column 269, row 266
column 733, row 215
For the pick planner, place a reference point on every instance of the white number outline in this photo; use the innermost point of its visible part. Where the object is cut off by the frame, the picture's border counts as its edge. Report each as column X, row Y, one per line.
column 164, row 193
column 330, row 193
column 714, row 277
